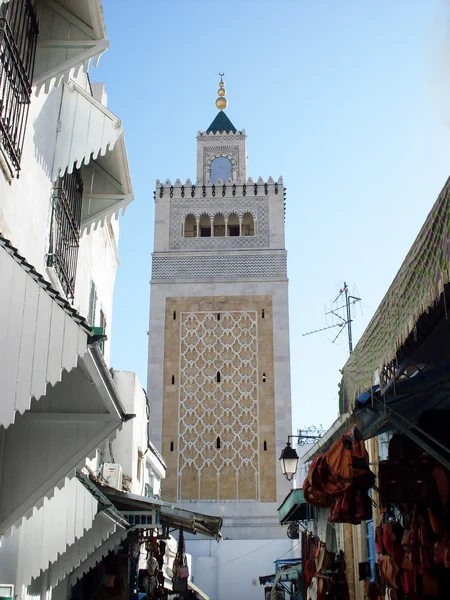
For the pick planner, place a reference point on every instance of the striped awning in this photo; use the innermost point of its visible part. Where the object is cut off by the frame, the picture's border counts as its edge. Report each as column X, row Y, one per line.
column 41, row 335
column 92, row 138
column 72, row 34
column 59, row 524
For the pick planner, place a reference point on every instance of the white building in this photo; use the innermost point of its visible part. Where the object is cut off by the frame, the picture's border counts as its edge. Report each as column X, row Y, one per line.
column 64, row 177
column 219, row 365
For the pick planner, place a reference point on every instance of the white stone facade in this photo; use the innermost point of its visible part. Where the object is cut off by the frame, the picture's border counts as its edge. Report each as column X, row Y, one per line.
column 143, row 467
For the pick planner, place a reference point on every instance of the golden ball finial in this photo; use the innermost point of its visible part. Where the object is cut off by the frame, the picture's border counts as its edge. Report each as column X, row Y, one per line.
column 221, row 101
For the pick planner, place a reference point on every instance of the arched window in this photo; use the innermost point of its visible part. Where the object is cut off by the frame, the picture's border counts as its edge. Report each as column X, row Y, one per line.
column 205, row 226
column 190, row 226
column 233, row 225
column 221, row 168
column 248, row 225
column 219, row 225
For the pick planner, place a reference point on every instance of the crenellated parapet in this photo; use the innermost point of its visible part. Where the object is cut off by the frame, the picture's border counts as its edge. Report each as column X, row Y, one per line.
column 222, row 189
column 221, row 136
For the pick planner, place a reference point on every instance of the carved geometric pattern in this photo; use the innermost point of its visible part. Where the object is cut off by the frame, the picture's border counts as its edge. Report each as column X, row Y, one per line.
column 220, row 266
column 180, row 208
column 229, row 137
column 226, row 409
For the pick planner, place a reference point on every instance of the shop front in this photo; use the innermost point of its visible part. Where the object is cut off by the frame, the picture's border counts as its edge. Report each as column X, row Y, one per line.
column 146, row 561
column 395, row 392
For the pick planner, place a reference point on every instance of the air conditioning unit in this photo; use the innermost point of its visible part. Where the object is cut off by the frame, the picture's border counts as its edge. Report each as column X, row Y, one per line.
column 6, row 591
column 112, row 474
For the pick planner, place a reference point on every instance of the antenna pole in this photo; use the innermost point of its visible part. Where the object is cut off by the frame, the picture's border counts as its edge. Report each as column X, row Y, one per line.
column 344, row 321
column 349, row 320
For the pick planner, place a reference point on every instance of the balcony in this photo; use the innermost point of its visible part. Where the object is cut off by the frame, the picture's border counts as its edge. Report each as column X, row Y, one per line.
column 18, row 39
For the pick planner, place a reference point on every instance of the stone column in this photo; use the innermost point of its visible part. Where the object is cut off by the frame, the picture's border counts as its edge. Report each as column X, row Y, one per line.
column 240, row 225
column 198, row 226
column 226, row 225
column 212, row 226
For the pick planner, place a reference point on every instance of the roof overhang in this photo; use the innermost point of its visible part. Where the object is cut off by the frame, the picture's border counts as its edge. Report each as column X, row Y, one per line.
column 170, row 516
column 418, row 293
column 78, row 39
column 92, row 138
column 64, row 428
column 41, row 335
column 106, row 186
column 425, row 390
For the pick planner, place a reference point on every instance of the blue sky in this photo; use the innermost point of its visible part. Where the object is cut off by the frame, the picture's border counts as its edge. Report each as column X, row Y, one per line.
column 349, row 100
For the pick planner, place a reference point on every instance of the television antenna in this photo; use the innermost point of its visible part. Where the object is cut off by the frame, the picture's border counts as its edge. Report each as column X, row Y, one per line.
column 342, row 310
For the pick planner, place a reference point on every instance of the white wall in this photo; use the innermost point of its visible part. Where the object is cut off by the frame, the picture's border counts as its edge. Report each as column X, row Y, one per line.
column 133, row 436
column 231, row 568
column 26, row 205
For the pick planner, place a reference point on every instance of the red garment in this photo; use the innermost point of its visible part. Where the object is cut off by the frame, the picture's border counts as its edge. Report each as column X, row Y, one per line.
column 388, row 539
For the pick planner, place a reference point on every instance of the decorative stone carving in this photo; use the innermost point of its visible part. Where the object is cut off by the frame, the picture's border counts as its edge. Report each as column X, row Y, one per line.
column 218, row 397
column 220, row 266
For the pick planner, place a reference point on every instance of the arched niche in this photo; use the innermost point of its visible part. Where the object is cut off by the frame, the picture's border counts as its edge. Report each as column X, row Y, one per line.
column 219, row 225
column 205, row 225
column 248, row 224
column 190, row 226
column 233, row 225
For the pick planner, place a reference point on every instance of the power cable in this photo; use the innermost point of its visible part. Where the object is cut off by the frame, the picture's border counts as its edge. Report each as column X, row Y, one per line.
column 241, row 556
column 293, row 548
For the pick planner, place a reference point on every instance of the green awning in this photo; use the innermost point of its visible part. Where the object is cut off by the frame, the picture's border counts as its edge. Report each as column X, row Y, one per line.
column 294, row 508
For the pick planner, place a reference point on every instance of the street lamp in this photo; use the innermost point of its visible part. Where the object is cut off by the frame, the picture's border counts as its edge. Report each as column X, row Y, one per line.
column 289, row 457
column 289, row 461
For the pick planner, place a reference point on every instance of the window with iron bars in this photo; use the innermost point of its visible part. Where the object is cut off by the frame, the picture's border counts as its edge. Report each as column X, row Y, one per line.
column 65, row 229
column 18, row 39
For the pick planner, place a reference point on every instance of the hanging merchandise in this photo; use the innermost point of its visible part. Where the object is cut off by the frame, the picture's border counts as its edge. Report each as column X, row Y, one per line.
column 340, row 479
column 412, row 542
column 180, row 567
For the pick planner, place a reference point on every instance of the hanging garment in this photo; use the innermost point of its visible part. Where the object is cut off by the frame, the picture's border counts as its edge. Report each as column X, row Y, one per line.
column 442, row 478
column 311, row 593
column 347, row 462
column 402, row 448
column 409, row 581
column 313, row 490
column 430, row 587
column 351, row 506
column 390, row 571
column 379, row 547
column 321, row 558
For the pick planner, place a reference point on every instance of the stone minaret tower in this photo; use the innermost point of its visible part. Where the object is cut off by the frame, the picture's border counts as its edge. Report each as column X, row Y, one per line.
column 219, row 372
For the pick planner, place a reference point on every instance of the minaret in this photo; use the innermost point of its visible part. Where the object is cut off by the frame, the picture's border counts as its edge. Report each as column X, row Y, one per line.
column 219, row 367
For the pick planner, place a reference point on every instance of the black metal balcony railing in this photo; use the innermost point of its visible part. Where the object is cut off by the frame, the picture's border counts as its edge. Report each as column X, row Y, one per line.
column 18, row 39
column 65, row 230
